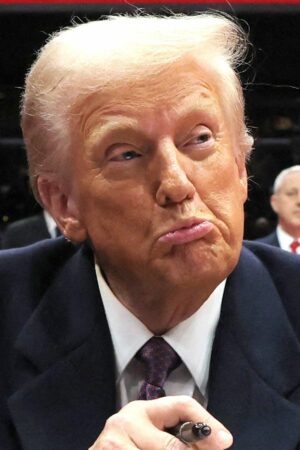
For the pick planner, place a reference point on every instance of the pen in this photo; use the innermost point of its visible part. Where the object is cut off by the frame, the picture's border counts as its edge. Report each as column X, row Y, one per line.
column 189, row 432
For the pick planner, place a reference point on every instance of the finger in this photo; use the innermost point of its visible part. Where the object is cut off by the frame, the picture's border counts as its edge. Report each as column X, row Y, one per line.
column 114, row 435
column 168, row 411
column 156, row 415
column 154, row 439
column 142, row 424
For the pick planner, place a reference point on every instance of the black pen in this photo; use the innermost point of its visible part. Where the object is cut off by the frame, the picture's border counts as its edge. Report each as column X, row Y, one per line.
column 189, row 432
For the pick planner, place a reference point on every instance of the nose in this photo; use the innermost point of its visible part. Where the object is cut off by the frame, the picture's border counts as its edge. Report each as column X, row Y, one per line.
column 174, row 185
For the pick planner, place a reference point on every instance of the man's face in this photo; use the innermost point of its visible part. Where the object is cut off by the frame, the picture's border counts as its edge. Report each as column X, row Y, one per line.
column 286, row 203
column 157, row 185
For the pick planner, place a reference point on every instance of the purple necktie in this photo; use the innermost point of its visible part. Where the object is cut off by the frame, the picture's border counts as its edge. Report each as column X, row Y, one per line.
column 159, row 359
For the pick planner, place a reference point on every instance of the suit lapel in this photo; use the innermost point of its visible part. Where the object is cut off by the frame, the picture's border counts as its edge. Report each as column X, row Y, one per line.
column 274, row 239
column 255, row 368
column 65, row 386
column 65, row 378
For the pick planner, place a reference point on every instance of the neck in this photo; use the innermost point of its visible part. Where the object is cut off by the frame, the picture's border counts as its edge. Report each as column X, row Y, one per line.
column 157, row 306
column 293, row 231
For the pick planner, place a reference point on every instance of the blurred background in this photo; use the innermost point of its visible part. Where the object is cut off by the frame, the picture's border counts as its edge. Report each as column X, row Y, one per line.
column 272, row 91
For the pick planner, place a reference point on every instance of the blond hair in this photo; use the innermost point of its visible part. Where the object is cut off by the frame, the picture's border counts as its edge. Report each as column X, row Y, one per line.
column 99, row 56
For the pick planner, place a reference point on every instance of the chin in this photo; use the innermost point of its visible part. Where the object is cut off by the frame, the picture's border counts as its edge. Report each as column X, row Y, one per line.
column 200, row 261
column 199, row 270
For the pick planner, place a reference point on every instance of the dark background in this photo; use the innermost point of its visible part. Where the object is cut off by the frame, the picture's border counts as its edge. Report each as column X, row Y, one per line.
column 272, row 91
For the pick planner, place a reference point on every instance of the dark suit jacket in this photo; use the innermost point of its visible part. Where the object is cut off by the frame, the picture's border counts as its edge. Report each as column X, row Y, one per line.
column 270, row 239
column 57, row 364
column 25, row 232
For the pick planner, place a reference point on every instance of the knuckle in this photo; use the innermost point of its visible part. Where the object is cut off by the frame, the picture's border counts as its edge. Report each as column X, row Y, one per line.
column 111, row 443
column 174, row 444
column 134, row 406
column 119, row 421
column 185, row 400
column 111, row 422
column 108, row 441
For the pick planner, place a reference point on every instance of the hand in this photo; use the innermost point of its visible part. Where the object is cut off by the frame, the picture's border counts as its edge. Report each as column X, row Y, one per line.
column 140, row 425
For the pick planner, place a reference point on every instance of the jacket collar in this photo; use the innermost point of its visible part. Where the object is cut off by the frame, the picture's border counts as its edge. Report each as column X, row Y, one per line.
column 62, row 403
column 65, row 393
column 255, row 366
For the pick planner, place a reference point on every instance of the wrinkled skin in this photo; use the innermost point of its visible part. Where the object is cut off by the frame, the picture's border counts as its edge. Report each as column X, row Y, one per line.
column 157, row 186
column 144, row 162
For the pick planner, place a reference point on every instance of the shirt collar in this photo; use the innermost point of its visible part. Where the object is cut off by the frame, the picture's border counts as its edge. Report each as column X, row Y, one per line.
column 284, row 238
column 192, row 339
column 50, row 223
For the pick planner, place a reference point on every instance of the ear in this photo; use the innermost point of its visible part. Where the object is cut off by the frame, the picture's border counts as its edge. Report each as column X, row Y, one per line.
column 62, row 207
column 243, row 177
column 274, row 202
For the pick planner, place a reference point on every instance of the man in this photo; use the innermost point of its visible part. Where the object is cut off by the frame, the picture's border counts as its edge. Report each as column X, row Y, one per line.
column 29, row 230
column 285, row 202
column 152, row 315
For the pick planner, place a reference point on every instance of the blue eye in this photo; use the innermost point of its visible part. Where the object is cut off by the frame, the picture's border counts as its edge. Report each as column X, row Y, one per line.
column 130, row 154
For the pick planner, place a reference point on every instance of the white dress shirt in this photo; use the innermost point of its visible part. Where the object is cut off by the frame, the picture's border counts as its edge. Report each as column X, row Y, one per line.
column 50, row 223
column 192, row 339
column 286, row 239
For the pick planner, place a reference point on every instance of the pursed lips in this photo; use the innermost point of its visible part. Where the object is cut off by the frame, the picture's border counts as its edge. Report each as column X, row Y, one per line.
column 186, row 231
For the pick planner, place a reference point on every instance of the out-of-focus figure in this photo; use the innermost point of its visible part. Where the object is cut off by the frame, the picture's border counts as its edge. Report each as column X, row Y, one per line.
column 27, row 231
column 285, row 202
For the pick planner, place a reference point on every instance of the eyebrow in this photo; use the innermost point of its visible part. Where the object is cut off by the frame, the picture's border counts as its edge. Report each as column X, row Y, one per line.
column 204, row 104
column 115, row 124
column 119, row 122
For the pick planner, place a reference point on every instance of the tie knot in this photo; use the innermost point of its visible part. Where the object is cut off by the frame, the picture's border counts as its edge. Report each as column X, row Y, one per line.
column 294, row 245
column 159, row 358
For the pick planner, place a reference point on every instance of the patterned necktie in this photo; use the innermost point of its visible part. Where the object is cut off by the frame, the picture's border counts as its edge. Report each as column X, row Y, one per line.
column 159, row 359
column 294, row 245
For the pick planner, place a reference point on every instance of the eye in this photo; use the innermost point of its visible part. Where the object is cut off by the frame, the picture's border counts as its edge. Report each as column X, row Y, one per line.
column 119, row 154
column 291, row 193
column 130, row 154
column 201, row 136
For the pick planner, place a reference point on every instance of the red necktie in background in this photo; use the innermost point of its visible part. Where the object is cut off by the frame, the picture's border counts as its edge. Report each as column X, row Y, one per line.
column 294, row 245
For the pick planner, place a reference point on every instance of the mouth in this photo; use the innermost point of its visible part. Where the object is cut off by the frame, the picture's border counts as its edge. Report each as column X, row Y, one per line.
column 186, row 231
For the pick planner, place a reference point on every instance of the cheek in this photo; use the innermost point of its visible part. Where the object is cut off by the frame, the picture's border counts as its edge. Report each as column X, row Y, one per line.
column 229, row 209
column 224, row 196
column 221, row 187
column 284, row 208
column 112, row 211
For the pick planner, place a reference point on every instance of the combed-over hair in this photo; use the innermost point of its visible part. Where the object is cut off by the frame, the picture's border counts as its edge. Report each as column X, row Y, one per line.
column 101, row 55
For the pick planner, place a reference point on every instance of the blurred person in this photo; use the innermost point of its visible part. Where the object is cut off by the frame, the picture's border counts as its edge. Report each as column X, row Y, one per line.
column 150, row 312
column 285, row 202
column 29, row 230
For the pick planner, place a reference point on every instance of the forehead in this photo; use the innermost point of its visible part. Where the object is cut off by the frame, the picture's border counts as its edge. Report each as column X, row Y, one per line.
column 176, row 92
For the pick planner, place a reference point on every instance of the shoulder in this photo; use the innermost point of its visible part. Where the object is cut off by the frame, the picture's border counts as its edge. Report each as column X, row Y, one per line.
column 24, row 223
column 25, row 232
column 40, row 257
column 271, row 239
column 274, row 257
column 283, row 268
column 26, row 273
